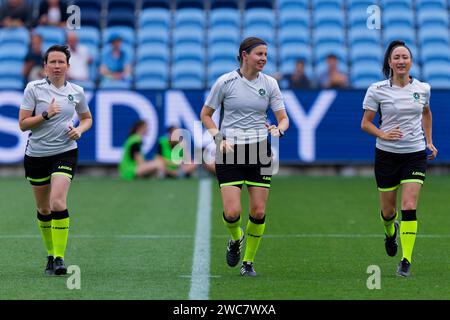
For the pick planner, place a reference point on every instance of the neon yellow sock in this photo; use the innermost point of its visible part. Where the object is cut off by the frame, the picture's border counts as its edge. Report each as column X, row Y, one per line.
column 60, row 232
column 45, row 225
column 234, row 227
column 389, row 228
column 254, row 231
column 408, row 231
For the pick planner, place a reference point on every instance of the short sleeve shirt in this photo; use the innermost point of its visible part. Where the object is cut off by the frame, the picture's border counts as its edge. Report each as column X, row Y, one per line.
column 244, row 105
column 50, row 137
column 399, row 107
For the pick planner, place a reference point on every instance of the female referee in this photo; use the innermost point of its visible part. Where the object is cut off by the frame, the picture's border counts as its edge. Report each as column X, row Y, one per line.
column 404, row 134
column 51, row 154
column 244, row 155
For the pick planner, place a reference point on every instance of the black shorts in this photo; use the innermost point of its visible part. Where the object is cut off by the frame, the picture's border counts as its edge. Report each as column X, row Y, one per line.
column 394, row 169
column 39, row 170
column 249, row 164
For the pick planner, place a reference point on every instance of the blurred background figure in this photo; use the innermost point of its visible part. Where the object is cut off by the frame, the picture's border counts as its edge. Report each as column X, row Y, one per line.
column 116, row 62
column 332, row 77
column 298, row 79
column 32, row 67
column 173, row 153
column 133, row 164
column 80, row 59
column 53, row 13
column 15, row 13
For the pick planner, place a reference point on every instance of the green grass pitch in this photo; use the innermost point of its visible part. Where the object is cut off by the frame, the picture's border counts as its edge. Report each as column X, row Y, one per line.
column 135, row 240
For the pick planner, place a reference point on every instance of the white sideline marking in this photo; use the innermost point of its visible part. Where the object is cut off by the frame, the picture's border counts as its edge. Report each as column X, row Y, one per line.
column 200, row 262
column 187, row 236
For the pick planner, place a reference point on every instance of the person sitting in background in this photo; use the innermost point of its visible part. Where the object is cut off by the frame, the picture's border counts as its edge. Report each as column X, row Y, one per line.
column 80, row 59
column 298, row 79
column 133, row 164
column 115, row 61
column 332, row 77
column 14, row 14
column 53, row 13
column 172, row 152
column 32, row 67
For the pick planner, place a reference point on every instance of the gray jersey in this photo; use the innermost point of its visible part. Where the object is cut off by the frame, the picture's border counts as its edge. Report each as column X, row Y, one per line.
column 244, row 105
column 50, row 137
column 401, row 107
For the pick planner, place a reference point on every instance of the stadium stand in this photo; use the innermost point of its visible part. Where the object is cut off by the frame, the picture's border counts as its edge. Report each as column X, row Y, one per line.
column 158, row 33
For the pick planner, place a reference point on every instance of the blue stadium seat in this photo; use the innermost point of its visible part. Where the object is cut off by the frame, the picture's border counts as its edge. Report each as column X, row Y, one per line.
column 11, row 69
column 403, row 33
column 322, row 51
column 439, row 82
column 327, row 4
column 188, row 35
column 51, row 35
column 265, row 33
column 89, row 5
column 436, row 69
column 294, row 51
column 367, row 71
column 361, row 35
column 180, row 4
column 88, row 35
column 223, row 52
column 121, row 18
column 398, row 17
column 13, row 52
column 390, row 4
column 224, row 4
column 297, row 5
column 365, row 52
column 188, row 17
column 152, row 52
column 125, row 5
column 360, row 4
column 153, row 35
column 328, row 17
column 126, row 33
column 188, row 75
column 293, row 35
column 155, row 4
column 329, row 35
column 433, row 34
column 188, row 52
column 115, row 84
column 259, row 17
column 425, row 4
column 14, row 35
column 152, row 75
column 293, row 18
column 223, row 35
column 11, row 84
column 258, row 4
column 433, row 52
column 154, row 17
column 427, row 17
column 227, row 17
column 357, row 17
column 90, row 18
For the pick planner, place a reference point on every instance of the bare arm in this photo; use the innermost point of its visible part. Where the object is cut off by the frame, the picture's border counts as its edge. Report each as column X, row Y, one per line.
column 27, row 121
column 283, row 123
column 85, row 125
column 368, row 126
column 208, row 122
column 427, row 124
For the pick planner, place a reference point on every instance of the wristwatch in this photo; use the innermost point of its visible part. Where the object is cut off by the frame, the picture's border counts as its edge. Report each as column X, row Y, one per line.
column 45, row 115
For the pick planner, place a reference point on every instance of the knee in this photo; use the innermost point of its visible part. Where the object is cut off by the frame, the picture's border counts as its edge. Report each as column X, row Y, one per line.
column 44, row 210
column 258, row 212
column 409, row 205
column 232, row 212
column 388, row 212
column 58, row 205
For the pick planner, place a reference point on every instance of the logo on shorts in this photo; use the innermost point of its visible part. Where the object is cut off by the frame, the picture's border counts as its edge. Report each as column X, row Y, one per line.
column 267, row 178
column 416, row 96
column 65, row 168
column 70, row 97
column 262, row 92
column 417, row 173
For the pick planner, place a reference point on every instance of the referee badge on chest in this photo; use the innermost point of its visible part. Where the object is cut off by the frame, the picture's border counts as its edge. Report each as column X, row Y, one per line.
column 416, row 96
column 70, row 97
column 262, row 92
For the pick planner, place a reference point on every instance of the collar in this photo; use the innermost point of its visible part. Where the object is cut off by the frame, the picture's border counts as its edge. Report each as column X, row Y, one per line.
column 411, row 79
column 49, row 82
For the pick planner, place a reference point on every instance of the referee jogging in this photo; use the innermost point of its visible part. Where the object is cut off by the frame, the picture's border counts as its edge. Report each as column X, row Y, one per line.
column 51, row 154
column 244, row 153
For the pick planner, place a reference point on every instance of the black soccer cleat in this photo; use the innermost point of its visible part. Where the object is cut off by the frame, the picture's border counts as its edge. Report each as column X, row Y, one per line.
column 234, row 251
column 49, row 269
column 247, row 269
column 403, row 268
column 60, row 268
column 391, row 243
